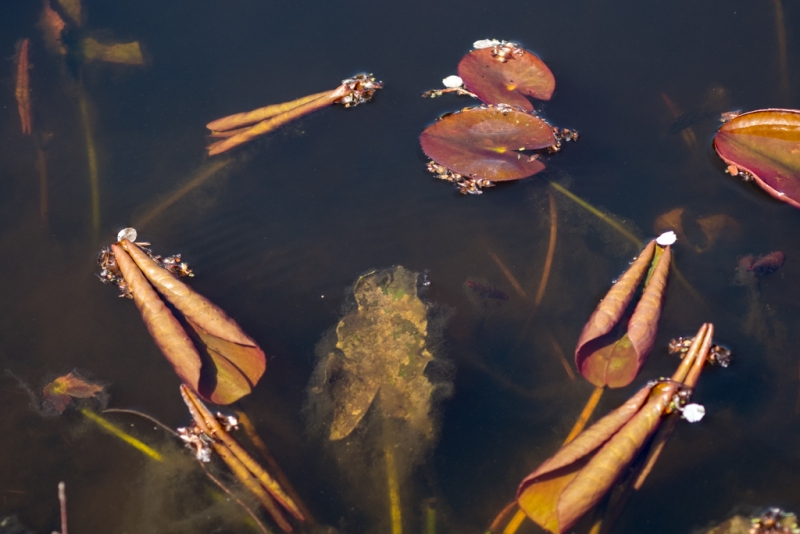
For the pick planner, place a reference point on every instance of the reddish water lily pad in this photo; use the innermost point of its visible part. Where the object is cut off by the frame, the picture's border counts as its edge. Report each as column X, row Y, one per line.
column 765, row 144
column 485, row 142
column 507, row 78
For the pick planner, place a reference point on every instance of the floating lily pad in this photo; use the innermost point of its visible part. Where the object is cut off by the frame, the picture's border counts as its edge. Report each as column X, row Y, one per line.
column 765, row 144
column 507, row 78
column 485, row 142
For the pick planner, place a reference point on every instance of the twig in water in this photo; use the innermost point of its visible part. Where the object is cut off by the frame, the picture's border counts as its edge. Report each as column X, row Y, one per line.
column 62, row 501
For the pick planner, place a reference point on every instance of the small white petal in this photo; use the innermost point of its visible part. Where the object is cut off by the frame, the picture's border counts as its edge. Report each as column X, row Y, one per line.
column 693, row 412
column 127, row 233
column 667, row 238
column 485, row 43
column 453, row 81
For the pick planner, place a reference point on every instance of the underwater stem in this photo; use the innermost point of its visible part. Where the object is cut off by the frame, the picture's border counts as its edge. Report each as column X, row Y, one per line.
column 200, row 178
column 392, row 482
column 91, row 154
column 41, row 166
column 280, row 476
column 263, row 528
column 515, row 522
column 506, row 271
column 780, row 33
column 587, row 412
column 551, row 248
column 114, row 430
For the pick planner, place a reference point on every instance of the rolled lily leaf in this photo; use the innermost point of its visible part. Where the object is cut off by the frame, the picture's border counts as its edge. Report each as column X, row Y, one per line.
column 600, row 359
column 164, row 328
column 243, row 127
column 765, row 145
column 506, row 74
column 485, row 142
column 572, row 481
column 228, row 364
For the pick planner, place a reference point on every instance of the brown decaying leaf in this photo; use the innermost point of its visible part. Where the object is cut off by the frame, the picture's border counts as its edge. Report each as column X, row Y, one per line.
column 486, row 142
column 239, row 363
column 60, row 392
column 496, row 82
column 164, row 328
column 766, row 144
column 615, row 364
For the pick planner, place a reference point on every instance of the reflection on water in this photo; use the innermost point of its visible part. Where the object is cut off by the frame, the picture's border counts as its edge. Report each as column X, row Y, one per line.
column 279, row 232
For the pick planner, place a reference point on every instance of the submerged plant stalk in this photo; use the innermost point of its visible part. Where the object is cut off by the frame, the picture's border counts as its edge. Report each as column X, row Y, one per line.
column 91, row 155
column 114, row 430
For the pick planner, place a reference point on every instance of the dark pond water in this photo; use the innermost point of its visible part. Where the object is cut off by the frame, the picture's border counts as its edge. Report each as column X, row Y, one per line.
column 284, row 227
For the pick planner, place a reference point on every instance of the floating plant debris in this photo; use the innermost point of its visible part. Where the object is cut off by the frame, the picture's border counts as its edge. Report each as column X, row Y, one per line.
column 207, row 349
column 479, row 145
column 503, row 73
column 59, row 393
column 600, row 358
column 243, row 127
column 764, row 146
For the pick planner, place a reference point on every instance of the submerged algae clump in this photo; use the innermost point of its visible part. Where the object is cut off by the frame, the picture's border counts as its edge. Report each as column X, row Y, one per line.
column 380, row 356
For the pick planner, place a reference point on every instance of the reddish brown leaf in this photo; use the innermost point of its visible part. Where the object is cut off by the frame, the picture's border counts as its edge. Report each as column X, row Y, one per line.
column 486, row 142
column 23, row 91
column 591, row 363
column 605, row 362
column 164, row 328
column 60, row 392
column 507, row 82
column 571, row 482
column 221, row 335
column 766, row 144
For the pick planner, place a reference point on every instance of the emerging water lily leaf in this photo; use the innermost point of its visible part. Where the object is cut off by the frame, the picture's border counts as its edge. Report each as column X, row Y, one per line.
column 604, row 361
column 765, row 145
column 505, row 74
column 485, row 142
column 229, row 363
column 59, row 393
column 575, row 478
